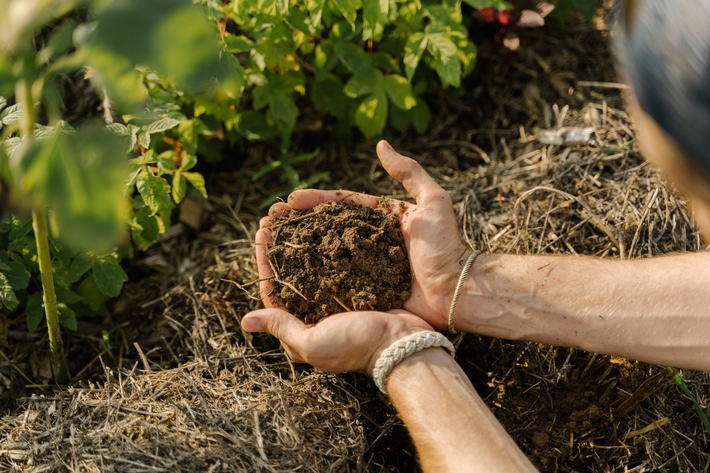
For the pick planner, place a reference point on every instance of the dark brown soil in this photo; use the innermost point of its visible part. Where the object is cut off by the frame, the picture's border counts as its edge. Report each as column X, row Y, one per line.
column 338, row 257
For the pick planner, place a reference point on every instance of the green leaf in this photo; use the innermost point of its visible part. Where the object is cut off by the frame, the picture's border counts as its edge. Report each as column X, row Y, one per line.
column 79, row 266
column 440, row 45
column 238, row 44
column 80, row 177
column 421, row 116
column 399, row 91
column 357, row 87
column 586, row 7
column 93, row 297
column 349, row 9
column 145, row 228
column 67, row 317
column 179, row 187
column 34, row 311
column 355, row 60
column 155, row 192
column 371, row 114
column 327, row 94
column 11, row 115
column 197, row 181
column 449, row 70
column 109, row 276
column 17, row 275
column 172, row 37
column 375, row 16
column 413, row 50
column 7, row 294
column 497, row 4
column 164, row 124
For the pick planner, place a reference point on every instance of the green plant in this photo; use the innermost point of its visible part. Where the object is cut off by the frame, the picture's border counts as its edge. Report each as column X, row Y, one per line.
column 74, row 180
column 698, row 408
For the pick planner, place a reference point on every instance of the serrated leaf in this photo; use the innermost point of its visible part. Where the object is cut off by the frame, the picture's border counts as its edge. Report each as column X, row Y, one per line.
column 413, row 50
column 109, row 276
column 155, row 192
column 399, row 91
column 145, row 228
column 164, row 124
column 34, row 311
column 371, row 114
column 440, row 45
column 197, row 181
column 67, row 317
column 11, row 114
column 119, row 129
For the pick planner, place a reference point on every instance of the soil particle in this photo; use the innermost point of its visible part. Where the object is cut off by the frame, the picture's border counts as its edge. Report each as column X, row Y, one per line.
column 338, row 257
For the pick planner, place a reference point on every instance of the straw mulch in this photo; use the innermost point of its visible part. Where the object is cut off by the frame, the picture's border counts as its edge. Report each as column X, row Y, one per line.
column 180, row 387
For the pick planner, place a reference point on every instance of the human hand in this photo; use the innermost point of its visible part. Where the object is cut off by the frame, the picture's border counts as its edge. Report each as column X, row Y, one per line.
column 346, row 342
column 429, row 228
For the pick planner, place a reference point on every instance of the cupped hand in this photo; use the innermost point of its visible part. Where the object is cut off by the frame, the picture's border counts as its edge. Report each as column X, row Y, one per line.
column 346, row 342
column 429, row 228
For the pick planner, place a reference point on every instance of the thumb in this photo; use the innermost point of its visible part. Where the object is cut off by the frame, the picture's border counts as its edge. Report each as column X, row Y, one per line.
column 413, row 177
column 279, row 323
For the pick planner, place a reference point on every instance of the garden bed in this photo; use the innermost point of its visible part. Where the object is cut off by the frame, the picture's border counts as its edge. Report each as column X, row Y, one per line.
column 175, row 384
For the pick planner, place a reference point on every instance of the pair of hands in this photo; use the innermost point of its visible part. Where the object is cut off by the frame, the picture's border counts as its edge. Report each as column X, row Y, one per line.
column 352, row 342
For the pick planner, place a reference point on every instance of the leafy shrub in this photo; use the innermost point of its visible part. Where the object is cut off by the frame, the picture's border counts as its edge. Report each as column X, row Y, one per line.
column 177, row 87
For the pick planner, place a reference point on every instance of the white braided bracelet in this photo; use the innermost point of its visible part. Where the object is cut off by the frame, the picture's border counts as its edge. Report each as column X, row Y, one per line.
column 403, row 348
column 459, row 288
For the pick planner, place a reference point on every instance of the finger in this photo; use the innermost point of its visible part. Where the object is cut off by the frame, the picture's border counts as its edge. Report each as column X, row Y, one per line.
column 279, row 323
column 266, row 275
column 414, row 178
column 309, row 198
column 279, row 209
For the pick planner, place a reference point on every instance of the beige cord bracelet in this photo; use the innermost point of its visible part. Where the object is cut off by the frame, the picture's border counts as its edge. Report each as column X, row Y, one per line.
column 459, row 288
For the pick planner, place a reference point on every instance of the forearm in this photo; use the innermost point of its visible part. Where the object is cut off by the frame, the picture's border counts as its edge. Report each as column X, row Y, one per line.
column 452, row 428
column 656, row 310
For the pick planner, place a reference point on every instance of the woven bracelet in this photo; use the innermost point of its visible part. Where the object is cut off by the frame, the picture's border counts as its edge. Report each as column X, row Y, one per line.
column 459, row 288
column 403, row 348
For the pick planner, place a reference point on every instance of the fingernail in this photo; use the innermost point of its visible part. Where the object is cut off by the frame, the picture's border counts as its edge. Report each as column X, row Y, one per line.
column 252, row 324
column 388, row 145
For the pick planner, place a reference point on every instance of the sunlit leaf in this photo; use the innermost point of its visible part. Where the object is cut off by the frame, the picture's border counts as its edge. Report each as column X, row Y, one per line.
column 399, row 91
column 197, row 181
column 155, row 192
column 371, row 114
column 413, row 51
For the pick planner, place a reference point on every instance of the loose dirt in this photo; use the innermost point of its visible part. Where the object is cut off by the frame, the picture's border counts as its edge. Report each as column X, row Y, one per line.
column 338, row 257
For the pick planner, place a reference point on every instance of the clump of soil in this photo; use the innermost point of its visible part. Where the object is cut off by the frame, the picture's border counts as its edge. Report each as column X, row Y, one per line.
column 337, row 257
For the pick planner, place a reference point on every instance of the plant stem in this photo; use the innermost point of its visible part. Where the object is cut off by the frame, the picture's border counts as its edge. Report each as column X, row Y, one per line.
column 59, row 362
column 39, row 224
